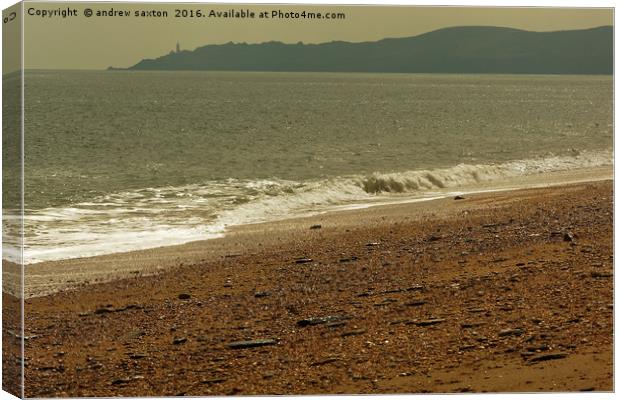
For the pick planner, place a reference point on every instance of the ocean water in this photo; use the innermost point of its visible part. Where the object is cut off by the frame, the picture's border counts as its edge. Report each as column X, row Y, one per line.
column 117, row 161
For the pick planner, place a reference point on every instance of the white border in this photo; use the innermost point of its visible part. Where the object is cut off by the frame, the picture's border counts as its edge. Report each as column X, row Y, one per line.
column 480, row 3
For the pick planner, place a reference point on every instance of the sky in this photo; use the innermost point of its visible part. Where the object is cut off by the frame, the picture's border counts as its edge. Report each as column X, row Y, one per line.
column 78, row 42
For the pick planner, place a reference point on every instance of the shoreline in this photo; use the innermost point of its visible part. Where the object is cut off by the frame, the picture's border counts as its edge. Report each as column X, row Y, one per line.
column 497, row 292
column 43, row 278
column 392, row 189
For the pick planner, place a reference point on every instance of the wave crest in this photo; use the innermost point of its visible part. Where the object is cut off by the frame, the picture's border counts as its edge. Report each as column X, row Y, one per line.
column 467, row 174
column 152, row 217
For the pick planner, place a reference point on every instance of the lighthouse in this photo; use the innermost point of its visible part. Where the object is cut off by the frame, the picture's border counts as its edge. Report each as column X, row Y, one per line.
column 178, row 47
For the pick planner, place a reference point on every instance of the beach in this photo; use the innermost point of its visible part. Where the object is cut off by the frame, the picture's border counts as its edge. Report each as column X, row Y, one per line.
column 504, row 291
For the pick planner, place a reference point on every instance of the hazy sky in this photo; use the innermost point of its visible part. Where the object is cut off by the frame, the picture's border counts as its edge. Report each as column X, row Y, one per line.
column 98, row 42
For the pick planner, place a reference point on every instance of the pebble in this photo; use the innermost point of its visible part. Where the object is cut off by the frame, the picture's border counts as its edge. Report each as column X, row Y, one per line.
column 185, row 296
column 472, row 324
column 428, row 322
column 246, row 344
column 179, row 340
column 549, row 356
column 568, row 237
column 129, row 307
column 319, row 320
column 511, row 332
column 104, row 310
column 541, row 347
column 415, row 303
column 353, row 333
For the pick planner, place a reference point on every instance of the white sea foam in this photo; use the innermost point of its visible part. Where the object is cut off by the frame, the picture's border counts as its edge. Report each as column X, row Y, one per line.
column 153, row 217
column 464, row 174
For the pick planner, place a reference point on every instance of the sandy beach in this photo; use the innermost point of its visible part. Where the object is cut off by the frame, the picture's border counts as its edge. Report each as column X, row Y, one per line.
column 496, row 292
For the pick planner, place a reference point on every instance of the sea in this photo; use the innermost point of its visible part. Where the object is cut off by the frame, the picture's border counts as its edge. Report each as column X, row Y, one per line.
column 124, row 160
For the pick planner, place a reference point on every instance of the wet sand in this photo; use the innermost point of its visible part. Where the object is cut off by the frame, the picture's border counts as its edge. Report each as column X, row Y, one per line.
column 502, row 292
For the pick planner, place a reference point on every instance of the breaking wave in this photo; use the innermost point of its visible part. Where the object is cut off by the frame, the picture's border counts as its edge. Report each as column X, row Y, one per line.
column 466, row 174
column 154, row 217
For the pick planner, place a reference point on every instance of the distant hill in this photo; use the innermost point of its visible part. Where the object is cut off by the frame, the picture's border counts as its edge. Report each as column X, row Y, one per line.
column 450, row 50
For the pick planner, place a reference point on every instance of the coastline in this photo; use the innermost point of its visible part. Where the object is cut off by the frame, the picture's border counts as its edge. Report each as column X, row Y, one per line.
column 502, row 291
column 52, row 276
